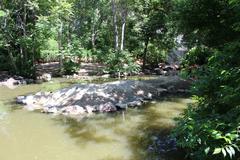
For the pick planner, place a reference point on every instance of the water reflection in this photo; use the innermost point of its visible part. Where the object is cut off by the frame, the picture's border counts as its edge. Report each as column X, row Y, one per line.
column 138, row 129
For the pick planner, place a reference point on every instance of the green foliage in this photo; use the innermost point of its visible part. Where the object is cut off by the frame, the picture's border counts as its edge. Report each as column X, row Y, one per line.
column 46, row 31
column 196, row 56
column 70, row 66
column 156, row 54
column 212, row 125
column 2, row 13
column 49, row 53
column 194, row 61
column 210, row 128
column 208, row 23
column 209, row 136
column 121, row 62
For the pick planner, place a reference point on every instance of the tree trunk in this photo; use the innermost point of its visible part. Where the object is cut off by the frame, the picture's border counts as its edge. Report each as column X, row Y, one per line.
column 69, row 36
column 115, row 24
column 124, row 16
column 25, row 56
column 93, row 38
column 60, row 46
column 123, row 31
column 145, row 53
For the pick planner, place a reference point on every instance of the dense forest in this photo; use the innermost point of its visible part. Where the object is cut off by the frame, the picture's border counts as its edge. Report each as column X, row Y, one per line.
column 121, row 32
column 104, row 31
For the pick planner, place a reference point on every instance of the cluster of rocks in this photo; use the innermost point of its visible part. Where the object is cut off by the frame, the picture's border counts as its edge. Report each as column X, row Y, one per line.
column 167, row 69
column 163, row 69
column 45, row 77
column 108, row 97
column 13, row 81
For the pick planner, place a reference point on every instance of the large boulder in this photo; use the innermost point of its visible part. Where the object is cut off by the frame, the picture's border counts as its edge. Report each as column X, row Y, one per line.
column 108, row 97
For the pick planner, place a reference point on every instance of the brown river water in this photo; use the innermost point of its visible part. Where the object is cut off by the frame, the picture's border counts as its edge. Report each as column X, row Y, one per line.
column 125, row 135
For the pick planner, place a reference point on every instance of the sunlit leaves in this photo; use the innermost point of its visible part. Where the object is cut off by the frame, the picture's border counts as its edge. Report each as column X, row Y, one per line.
column 2, row 13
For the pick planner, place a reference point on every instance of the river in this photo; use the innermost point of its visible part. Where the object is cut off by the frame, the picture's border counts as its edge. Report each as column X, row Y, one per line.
column 125, row 135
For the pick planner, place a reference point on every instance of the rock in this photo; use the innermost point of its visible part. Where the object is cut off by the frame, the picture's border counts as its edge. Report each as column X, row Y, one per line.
column 29, row 81
column 20, row 99
column 32, row 107
column 107, row 107
column 135, row 104
column 73, row 110
column 12, row 82
column 157, row 71
column 165, row 73
column 121, row 106
column 53, row 110
column 18, row 77
column 147, row 71
column 28, row 100
column 107, row 97
column 89, row 109
column 171, row 89
column 75, row 76
column 46, row 77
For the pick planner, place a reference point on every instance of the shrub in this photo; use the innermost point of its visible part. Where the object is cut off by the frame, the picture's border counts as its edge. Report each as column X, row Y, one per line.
column 69, row 66
column 210, row 129
column 121, row 62
column 50, row 52
column 209, row 136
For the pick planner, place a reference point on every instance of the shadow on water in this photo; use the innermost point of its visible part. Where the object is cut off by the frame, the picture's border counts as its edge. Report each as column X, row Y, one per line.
column 151, row 140
column 82, row 132
column 145, row 129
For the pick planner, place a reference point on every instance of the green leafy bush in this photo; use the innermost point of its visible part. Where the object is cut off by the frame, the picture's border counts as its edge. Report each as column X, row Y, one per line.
column 121, row 62
column 209, row 136
column 50, row 52
column 197, row 55
column 210, row 129
column 70, row 66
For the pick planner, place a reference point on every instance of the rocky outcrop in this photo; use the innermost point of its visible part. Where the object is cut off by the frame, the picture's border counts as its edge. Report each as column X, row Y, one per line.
column 108, row 97
column 13, row 81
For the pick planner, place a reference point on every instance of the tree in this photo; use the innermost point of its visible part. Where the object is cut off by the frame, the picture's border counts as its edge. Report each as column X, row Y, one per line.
column 60, row 18
column 18, row 35
column 153, row 19
column 209, row 128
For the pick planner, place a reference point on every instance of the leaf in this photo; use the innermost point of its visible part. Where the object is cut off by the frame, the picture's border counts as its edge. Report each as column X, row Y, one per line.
column 235, row 146
column 227, row 140
column 224, row 71
column 232, row 150
column 217, row 150
column 224, row 152
column 229, row 152
column 207, row 150
column 2, row 13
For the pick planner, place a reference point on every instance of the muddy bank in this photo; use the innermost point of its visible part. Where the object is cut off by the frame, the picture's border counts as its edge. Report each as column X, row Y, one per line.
column 108, row 97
